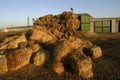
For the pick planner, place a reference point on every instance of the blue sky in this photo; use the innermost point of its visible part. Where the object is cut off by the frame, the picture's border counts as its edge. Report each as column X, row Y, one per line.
column 15, row 12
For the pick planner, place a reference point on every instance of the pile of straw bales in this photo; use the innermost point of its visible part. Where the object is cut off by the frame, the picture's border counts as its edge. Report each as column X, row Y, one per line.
column 66, row 47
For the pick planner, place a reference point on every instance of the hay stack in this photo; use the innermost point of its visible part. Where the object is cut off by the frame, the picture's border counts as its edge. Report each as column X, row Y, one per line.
column 3, row 64
column 18, row 58
column 49, row 30
column 93, row 51
column 58, row 67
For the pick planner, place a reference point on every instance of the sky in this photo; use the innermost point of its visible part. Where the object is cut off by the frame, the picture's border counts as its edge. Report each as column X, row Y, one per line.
column 15, row 12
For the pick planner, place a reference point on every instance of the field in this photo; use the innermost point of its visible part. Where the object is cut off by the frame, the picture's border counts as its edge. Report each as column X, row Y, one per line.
column 5, row 34
column 106, row 67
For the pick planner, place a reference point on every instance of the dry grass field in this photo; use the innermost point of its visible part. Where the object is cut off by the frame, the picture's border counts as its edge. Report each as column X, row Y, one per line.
column 5, row 34
column 106, row 67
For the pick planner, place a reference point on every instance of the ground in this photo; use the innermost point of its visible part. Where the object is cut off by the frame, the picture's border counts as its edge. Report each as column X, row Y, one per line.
column 106, row 67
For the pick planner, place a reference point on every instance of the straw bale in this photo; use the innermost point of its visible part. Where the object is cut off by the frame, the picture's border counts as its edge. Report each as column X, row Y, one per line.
column 61, row 50
column 56, row 32
column 12, row 42
column 93, row 51
column 71, row 20
column 80, row 64
column 75, row 43
column 3, row 64
column 72, row 23
column 65, row 46
column 58, row 67
column 85, row 68
column 41, row 36
column 39, row 58
column 18, row 58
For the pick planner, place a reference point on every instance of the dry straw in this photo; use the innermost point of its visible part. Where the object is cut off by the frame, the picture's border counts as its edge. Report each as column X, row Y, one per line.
column 3, row 64
column 80, row 64
column 18, row 58
column 93, row 51
column 39, row 59
column 58, row 67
